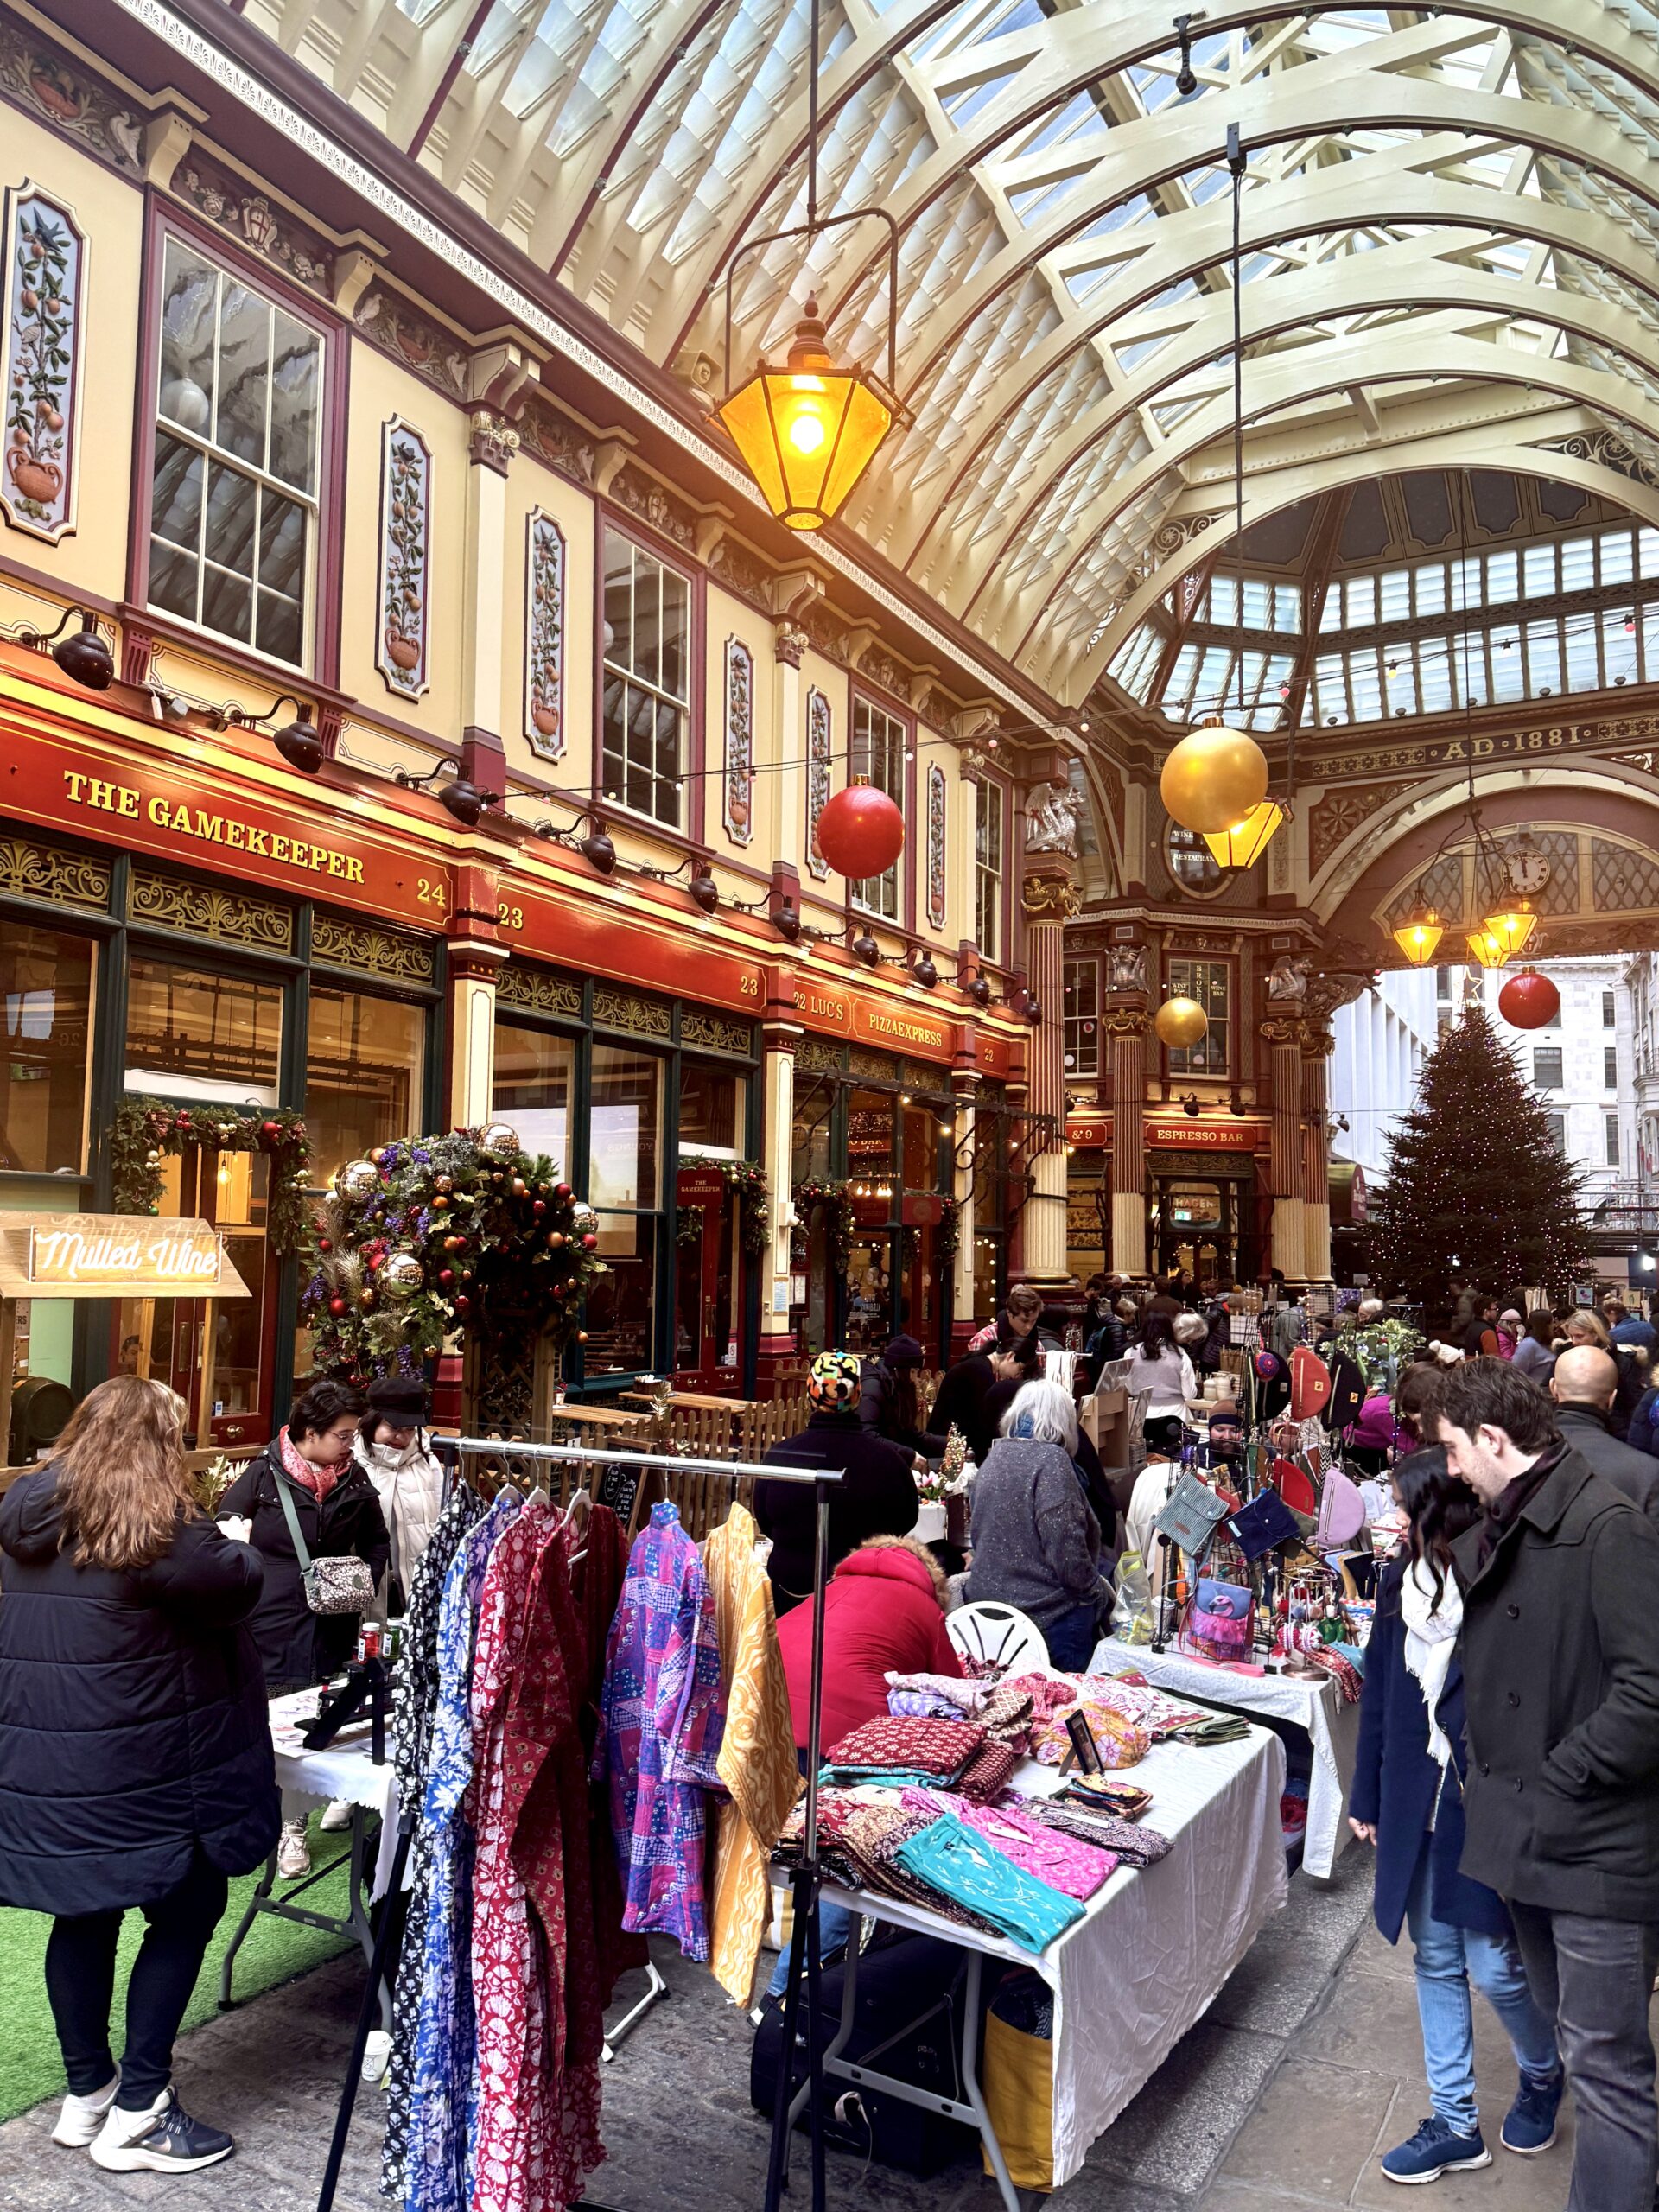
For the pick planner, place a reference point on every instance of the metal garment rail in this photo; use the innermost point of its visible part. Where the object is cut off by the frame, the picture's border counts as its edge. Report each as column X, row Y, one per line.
column 805, row 1961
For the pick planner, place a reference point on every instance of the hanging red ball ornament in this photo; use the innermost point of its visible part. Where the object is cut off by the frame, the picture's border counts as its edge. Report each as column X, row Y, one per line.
column 446, row 1277
column 561, row 1193
column 270, row 1131
column 1529, row 1001
column 463, row 1304
column 339, row 1308
column 591, row 1244
column 861, row 832
column 538, row 1207
column 324, row 1244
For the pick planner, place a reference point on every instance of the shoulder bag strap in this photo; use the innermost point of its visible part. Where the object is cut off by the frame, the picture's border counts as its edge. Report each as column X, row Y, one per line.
column 285, row 1498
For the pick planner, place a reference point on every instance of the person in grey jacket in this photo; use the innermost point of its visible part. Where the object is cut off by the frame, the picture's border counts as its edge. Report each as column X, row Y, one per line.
column 1036, row 1543
column 1560, row 1662
column 1583, row 1387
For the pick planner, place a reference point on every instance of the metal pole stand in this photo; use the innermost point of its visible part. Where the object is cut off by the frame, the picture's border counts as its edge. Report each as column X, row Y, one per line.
column 655, row 1987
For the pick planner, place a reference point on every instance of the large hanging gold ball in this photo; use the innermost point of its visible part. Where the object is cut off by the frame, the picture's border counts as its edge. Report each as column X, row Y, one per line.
column 1180, row 1022
column 1213, row 778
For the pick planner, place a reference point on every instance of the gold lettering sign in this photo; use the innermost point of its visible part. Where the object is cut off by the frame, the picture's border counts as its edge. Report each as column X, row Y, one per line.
column 113, row 1255
column 196, row 823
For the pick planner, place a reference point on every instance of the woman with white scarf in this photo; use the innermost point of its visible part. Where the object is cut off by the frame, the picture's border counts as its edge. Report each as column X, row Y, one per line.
column 1408, row 1800
column 391, row 1449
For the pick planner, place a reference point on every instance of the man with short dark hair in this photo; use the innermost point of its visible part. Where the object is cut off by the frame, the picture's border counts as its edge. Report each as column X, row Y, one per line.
column 1628, row 1328
column 1583, row 1384
column 1561, row 1660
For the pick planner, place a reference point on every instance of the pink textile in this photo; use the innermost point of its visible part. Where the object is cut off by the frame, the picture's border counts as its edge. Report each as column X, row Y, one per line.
column 1065, row 1863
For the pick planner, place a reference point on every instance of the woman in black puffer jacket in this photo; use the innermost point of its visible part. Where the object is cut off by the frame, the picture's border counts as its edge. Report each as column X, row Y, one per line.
column 136, row 1765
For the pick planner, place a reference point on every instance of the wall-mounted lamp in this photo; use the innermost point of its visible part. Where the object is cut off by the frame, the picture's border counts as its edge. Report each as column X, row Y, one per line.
column 595, row 848
column 786, row 920
column 84, row 657
column 463, row 799
column 297, row 742
column 865, row 947
column 1190, row 1105
column 700, row 882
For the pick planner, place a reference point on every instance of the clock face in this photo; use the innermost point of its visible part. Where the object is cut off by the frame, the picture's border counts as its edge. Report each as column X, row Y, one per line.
column 1527, row 869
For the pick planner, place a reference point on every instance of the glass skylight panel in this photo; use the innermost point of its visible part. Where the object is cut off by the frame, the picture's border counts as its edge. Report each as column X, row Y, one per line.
column 1544, row 647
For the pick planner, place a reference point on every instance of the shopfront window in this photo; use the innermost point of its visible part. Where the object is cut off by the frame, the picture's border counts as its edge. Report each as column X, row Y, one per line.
column 1210, row 983
column 870, row 1137
column 625, row 1187
column 647, row 687
column 815, row 1099
column 46, row 994
column 712, row 1111
column 1081, row 1015
column 196, row 1035
column 988, row 870
column 233, row 499
column 879, row 746
column 364, row 1058
column 535, row 1073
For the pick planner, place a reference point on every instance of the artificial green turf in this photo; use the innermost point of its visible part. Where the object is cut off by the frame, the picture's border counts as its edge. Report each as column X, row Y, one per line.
column 275, row 1950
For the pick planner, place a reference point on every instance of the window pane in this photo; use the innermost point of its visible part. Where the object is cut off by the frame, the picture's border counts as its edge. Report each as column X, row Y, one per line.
column 189, row 329
column 711, row 1110
column 193, row 1034
column 620, row 1310
column 1546, row 1066
column 623, row 1163
column 1082, row 1045
column 295, row 385
column 1209, row 981
column 175, row 495
column 46, row 996
column 809, row 1139
column 364, row 1062
column 244, row 373
column 878, row 755
column 227, row 605
column 534, row 1073
column 172, row 580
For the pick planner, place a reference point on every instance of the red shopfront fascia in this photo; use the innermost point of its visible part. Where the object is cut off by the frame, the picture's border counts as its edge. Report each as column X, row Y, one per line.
column 1094, row 1132
column 585, row 932
column 920, row 1031
column 89, row 778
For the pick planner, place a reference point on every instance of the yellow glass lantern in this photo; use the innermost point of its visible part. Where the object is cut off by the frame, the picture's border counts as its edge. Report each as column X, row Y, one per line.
column 1419, row 935
column 1214, row 776
column 1512, row 925
column 1181, row 1023
column 1486, row 950
column 808, row 431
column 1244, row 842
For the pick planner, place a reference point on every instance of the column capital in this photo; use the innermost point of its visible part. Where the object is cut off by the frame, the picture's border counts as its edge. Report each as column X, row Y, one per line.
column 1317, row 1041
column 1126, row 1021
column 789, row 642
column 1281, row 1031
column 1049, row 894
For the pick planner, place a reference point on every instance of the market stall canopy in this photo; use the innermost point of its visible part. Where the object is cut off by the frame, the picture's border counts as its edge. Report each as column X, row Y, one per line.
column 113, row 1255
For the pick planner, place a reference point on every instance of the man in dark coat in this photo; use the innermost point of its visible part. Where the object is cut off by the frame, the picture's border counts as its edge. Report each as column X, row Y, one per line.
column 1561, row 1660
column 1583, row 1384
column 876, row 1496
column 976, row 1393
column 888, row 1403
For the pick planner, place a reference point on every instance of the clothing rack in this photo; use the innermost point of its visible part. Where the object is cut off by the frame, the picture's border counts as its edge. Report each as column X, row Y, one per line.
column 806, row 1881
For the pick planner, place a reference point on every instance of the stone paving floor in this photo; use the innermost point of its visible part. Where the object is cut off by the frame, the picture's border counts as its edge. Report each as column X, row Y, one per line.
column 1305, row 2066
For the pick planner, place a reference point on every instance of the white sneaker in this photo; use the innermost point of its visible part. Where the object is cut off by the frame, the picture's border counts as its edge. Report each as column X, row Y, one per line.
column 82, row 2117
column 162, row 2140
column 292, row 1851
column 337, row 1814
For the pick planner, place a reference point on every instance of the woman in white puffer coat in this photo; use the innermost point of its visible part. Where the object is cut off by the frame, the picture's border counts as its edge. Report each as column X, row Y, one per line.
column 392, row 1450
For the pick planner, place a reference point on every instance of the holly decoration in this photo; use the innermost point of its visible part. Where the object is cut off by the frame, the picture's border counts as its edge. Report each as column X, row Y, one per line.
column 950, row 1236
column 753, row 1196
column 836, row 1199
column 146, row 1130
column 431, row 1234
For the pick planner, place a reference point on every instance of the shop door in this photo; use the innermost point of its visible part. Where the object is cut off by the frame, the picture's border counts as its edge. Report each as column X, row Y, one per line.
column 217, row 1354
column 708, row 1284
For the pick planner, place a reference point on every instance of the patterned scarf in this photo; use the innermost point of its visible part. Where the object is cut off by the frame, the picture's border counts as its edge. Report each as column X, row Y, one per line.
column 317, row 1480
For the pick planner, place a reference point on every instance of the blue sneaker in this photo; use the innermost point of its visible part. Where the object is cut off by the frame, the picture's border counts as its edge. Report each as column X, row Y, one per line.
column 1529, row 2123
column 1435, row 2150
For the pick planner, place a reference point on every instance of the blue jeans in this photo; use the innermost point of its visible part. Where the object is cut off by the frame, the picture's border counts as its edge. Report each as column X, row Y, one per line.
column 1071, row 1639
column 833, row 1921
column 1448, row 1959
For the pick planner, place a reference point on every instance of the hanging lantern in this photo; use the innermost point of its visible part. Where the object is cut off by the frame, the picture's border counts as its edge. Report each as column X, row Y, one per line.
column 861, row 832
column 1214, row 778
column 1181, row 1023
column 1512, row 923
column 1243, row 845
column 1487, row 950
column 1529, row 1001
column 1419, row 935
column 808, row 431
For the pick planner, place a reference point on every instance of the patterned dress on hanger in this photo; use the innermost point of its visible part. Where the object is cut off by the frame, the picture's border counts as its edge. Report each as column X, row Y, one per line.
column 597, row 1572
column 660, row 1738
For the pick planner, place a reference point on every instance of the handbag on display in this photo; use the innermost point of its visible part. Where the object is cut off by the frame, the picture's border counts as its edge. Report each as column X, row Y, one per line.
column 1347, row 1391
column 1218, row 1623
column 332, row 1585
column 1295, row 1486
column 1310, row 1383
column 1342, row 1512
column 1265, row 1522
column 1190, row 1515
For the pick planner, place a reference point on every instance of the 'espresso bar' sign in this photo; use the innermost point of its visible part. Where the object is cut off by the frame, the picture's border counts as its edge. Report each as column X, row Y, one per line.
column 113, row 1255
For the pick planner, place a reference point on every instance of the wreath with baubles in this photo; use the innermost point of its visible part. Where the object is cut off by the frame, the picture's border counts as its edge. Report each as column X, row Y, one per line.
column 145, row 1130
column 434, row 1234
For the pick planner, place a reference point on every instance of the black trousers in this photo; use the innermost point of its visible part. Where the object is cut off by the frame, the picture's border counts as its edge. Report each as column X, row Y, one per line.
column 80, row 1985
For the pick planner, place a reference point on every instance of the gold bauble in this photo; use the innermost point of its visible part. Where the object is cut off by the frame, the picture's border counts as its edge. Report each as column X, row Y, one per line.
column 1213, row 778
column 1179, row 1023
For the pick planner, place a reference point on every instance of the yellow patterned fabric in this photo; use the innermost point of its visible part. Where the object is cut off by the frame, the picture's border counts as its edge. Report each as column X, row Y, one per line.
column 757, row 1753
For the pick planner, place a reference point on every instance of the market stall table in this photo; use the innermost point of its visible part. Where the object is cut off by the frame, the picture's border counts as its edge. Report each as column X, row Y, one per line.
column 1146, row 1960
column 699, row 1400
column 1311, row 1702
column 344, row 1770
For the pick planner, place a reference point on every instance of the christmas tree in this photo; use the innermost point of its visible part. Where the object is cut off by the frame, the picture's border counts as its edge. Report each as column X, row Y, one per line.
column 1477, row 1187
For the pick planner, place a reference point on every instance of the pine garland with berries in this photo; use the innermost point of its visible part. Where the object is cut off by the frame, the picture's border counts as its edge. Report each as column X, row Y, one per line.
column 753, row 1193
column 146, row 1130
column 434, row 1234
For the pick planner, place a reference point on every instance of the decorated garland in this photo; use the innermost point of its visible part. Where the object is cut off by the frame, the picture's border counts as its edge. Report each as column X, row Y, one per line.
column 431, row 1234
column 753, row 1193
column 949, row 1239
column 836, row 1199
column 146, row 1130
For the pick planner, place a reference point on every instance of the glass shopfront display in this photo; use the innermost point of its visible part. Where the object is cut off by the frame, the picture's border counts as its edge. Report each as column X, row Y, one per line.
column 202, row 1036
column 708, row 1257
column 535, row 1079
column 46, row 993
column 365, row 1057
column 625, row 1187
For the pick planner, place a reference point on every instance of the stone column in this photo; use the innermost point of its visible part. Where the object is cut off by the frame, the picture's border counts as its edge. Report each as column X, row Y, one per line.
column 476, row 958
column 1316, row 1043
column 1283, row 1038
column 780, row 1035
column 789, row 747
column 964, row 1083
column 1125, row 1028
column 1048, row 897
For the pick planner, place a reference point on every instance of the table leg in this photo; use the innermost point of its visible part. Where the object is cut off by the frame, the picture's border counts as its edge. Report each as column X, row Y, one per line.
column 266, row 1882
column 971, row 2083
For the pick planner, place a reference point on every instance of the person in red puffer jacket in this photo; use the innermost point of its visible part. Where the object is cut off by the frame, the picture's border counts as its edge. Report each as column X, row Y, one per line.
column 883, row 1612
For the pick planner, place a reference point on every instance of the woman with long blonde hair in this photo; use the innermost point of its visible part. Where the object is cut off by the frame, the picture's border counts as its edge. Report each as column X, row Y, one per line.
column 135, row 1751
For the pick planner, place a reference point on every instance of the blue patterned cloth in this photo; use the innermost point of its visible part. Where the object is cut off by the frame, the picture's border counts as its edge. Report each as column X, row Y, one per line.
column 443, row 2097
column 949, row 1858
column 661, row 1721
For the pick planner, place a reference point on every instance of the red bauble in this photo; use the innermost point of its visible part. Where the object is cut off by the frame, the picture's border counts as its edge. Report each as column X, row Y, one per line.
column 1529, row 1001
column 538, row 1207
column 562, row 1192
column 445, row 1276
column 591, row 1244
column 324, row 1244
column 339, row 1308
column 270, row 1131
column 861, row 832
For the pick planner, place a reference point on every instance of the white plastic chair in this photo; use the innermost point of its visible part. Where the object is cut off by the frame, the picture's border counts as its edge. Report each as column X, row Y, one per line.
column 997, row 1635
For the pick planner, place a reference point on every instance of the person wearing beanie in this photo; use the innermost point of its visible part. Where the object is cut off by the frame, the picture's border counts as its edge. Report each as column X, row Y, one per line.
column 391, row 1448
column 876, row 1496
column 1226, row 1437
column 888, row 1402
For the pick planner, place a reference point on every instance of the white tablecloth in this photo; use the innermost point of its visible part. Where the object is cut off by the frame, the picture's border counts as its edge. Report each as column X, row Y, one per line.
column 1154, row 1947
column 1313, row 1702
column 345, row 1770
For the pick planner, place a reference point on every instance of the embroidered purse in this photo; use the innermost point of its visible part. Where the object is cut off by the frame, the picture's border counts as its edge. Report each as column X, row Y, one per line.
column 332, row 1585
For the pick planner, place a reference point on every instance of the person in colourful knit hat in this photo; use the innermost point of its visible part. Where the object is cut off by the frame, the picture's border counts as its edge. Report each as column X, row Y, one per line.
column 876, row 1496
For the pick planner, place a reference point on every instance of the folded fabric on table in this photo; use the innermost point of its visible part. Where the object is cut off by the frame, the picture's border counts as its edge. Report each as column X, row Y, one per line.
column 1133, row 1696
column 1005, row 1714
column 909, row 1705
column 914, row 1742
column 1048, row 1693
column 988, row 1774
column 1065, row 1863
column 883, row 1777
column 1120, row 1741
column 952, row 1860
column 1107, row 1793
column 1214, row 1728
column 1133, row 1846
column 964, row 1698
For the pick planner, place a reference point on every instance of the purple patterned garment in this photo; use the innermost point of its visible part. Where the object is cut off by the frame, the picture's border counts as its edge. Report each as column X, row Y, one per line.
column 661, row 1722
